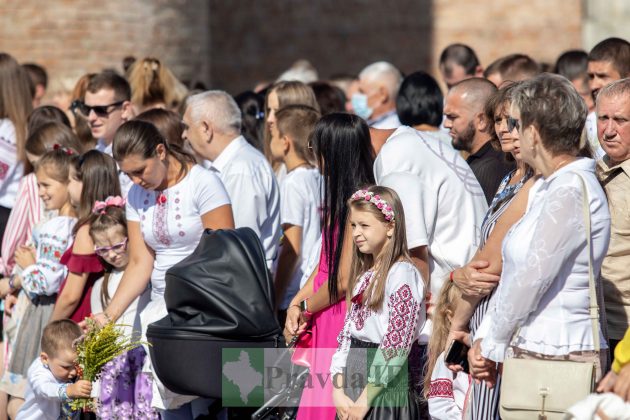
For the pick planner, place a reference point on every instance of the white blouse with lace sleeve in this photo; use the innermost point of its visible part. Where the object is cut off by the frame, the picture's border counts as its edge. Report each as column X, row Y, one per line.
column 544, row 287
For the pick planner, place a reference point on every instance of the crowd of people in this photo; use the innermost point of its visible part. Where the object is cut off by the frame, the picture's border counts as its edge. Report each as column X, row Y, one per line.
column 392, row 217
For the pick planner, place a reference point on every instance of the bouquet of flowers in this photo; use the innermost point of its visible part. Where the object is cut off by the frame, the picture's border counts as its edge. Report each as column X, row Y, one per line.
column 97, row 347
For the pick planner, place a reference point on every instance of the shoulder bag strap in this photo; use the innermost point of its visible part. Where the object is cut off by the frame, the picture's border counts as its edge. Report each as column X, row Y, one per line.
column 593, row 306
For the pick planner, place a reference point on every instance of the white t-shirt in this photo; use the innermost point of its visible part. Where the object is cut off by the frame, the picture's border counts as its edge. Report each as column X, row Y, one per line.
column 253, row 190
column 443, row 202
column 173, row 229
column 130, row 319
column 11, row 168
column 300, row 200
column 591, row 135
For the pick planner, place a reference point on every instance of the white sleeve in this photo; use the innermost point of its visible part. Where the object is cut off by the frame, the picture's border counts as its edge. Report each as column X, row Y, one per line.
column 210, row 193
column 410, row 192
column 131, row 208
column 8, row 155
column 292, row 203
column 441, row 399
column 402, row 327
column 559, row 233
column 45, row 276
column 338, row 362
column 43, row 385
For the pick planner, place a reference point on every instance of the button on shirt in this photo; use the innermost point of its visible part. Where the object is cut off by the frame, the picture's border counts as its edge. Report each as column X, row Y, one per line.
column 253, row 190
column 616, row 267
column 490, row 167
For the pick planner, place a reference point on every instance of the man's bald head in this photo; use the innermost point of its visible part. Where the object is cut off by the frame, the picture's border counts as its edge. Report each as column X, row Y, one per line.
column 474, row 92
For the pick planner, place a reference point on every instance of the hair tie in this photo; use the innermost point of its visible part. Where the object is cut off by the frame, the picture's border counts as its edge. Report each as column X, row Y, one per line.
column 375, row 199
column 111, row 201
column 66, row 150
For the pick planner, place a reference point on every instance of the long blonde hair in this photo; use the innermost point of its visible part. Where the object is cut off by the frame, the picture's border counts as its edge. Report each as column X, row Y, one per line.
column 447, row 301
column 16, row 99
column 395, row 250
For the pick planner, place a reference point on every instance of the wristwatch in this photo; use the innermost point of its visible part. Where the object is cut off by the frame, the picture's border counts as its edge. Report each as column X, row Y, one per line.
column 304, row 309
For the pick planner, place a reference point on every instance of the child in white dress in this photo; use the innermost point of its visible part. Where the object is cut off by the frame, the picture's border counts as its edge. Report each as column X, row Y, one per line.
column 386, row 312
column 300, row 199
column 51, row 376
column 446, row 391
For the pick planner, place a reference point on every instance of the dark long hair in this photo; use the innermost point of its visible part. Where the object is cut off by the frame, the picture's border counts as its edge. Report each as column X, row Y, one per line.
column 99, row 174
column 342, row 145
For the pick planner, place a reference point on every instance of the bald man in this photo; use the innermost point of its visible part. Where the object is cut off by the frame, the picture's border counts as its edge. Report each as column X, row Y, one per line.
column 472, row 131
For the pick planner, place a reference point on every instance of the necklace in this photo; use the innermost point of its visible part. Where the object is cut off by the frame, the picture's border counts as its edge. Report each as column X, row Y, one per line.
column 564, row 162
column 299, row 166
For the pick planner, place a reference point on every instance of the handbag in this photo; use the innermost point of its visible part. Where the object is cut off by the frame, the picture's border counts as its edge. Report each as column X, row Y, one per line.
column 545, row 389
column 302, row 350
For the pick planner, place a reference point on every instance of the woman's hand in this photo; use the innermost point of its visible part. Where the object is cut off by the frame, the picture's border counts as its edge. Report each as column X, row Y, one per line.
column 464, row 337
column 473, row 282
column 9, row 302
column 5, row 289
column 293, row 319
column 342, row 402
column 619, row 383
column 101, row 319
column 359, row 409
column 24, row 256
column 481, row 369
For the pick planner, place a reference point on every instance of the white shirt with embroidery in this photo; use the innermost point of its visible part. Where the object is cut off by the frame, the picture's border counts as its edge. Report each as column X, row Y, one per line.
column 394, row 327
column 11, row 168
column 447, row 392
column 52, row 239
column 44, row 394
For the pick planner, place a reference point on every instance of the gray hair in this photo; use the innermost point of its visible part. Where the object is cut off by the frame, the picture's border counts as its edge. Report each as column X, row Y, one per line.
column 615, row 89
column 217, row 107
column 550, row 103
column 384, row 73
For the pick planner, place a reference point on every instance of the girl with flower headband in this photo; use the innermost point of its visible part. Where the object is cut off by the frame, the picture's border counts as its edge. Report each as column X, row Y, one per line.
column 41, row 269
column 124, row 391
column 386, row 312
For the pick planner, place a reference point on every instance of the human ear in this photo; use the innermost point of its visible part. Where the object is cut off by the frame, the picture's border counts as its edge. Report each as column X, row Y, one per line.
column 160, row 150
column 44, row 358
column 482, row 122
column 207, row 131
column 390, row 230
column 286, row 143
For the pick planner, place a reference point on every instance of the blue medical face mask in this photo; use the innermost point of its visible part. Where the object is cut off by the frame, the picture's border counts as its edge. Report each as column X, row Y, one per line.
column 360, row 105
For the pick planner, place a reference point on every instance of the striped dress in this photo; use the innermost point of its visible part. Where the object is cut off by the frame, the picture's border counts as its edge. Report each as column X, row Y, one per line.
column 485, row 401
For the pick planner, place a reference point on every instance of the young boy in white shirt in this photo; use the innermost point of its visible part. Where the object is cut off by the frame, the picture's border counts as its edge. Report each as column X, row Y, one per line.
column 300, row 199
column 50, row 377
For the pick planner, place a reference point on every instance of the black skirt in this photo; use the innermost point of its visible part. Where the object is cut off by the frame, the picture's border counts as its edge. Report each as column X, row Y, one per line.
column 398, row 400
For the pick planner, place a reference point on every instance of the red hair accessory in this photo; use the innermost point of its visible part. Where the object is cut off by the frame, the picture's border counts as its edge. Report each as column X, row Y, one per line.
column 100, row 206
column 66, row 150
column 161, row 198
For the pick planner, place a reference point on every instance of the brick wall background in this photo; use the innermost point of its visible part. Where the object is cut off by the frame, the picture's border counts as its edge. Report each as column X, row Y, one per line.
column 232, row 44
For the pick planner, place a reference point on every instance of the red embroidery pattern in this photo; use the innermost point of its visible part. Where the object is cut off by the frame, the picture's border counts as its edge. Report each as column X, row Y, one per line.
column 403, row 316
column 441, row 388
column 160, row 222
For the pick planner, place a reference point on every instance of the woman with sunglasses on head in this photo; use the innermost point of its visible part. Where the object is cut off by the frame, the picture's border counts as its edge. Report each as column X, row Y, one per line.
column 478, row 279
column 93, row 177
column 170, row 204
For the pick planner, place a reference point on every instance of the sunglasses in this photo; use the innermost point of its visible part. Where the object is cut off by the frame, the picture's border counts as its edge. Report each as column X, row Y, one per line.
column 99, row 110
column 101, row 251
column 513, row 123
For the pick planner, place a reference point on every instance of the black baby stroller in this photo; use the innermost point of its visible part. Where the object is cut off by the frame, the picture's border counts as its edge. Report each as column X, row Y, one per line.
column 219, row 297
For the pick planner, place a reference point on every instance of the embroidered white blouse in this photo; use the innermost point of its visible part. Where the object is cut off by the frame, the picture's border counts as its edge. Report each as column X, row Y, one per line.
column 44, row 394
column 544, row 286
column 395, row 326
column 52, row 239
column 447, row 392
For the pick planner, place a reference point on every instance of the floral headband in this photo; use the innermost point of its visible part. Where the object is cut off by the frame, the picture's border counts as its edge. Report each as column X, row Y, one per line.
column 375, row 199
column 100, row 206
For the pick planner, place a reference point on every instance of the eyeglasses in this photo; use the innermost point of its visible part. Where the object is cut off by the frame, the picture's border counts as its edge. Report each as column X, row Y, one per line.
column 101, row 251
column 99, row 110
column 513, row 123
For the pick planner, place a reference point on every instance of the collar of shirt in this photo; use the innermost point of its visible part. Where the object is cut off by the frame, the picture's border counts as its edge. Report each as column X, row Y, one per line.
column 101, row 146
column 605, row 170
column 229, row 153
column 485, row 149
column 580, row 164
column 383, row 117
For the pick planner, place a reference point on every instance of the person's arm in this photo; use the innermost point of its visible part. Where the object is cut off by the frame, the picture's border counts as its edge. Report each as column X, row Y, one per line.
column 21, row 221
column 420, row 258
column 219, row 218
column 288, row 260
column 70, row 296
column 137, row 274
column 440, row 396
column 292, row 325
column 558, row 234
column 321, row 298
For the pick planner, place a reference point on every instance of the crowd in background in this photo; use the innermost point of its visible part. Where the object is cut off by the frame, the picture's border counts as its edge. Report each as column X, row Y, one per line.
column 391, row 215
